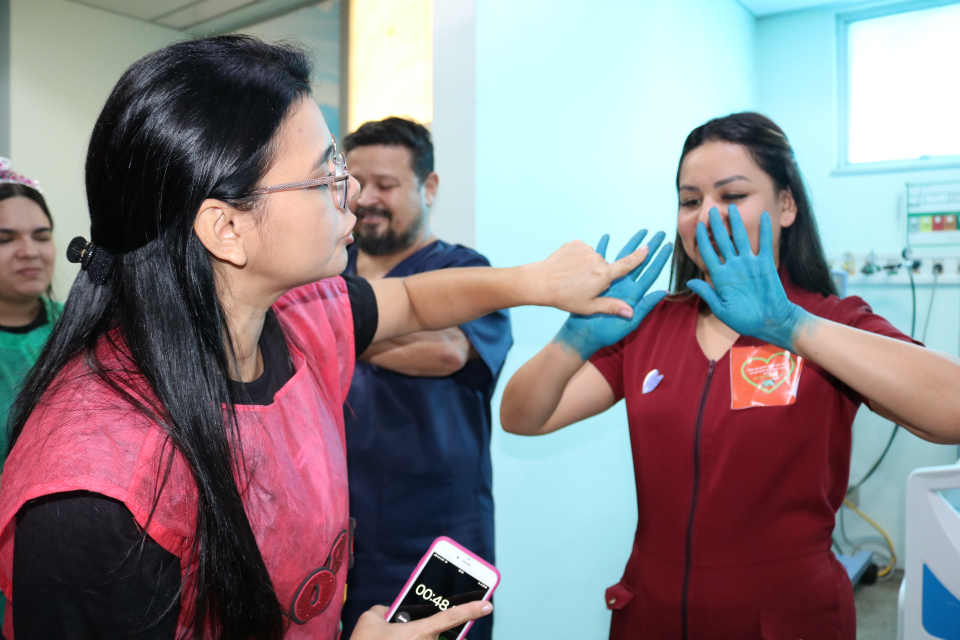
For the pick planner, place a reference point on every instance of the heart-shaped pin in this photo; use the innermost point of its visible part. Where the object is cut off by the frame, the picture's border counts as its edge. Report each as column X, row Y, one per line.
column 651, row 381
column 767, row 374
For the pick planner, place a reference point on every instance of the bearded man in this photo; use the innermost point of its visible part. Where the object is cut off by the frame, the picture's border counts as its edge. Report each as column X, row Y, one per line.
column 418, row 413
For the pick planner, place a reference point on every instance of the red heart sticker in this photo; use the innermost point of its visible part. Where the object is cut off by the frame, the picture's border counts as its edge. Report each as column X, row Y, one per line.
column 764, row 376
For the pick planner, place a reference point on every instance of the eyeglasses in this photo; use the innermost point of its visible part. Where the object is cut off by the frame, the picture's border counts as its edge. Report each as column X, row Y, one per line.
column 339, row 179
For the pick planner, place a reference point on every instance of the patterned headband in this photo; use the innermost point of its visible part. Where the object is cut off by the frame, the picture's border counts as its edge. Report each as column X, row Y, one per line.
column 9, row 177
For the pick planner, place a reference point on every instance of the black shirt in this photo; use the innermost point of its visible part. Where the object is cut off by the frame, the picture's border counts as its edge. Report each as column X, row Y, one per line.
column 82, row 566
column 37, row 322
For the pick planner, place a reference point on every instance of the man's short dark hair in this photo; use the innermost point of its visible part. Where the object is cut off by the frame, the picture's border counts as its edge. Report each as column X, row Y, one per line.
column 397, row 132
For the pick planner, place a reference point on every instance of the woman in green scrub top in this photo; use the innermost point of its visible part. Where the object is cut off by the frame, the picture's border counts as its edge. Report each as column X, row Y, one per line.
column 27, row 314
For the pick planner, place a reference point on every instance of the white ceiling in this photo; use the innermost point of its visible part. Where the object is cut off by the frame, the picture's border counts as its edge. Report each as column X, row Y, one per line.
column 200, row 15
column 762, row 8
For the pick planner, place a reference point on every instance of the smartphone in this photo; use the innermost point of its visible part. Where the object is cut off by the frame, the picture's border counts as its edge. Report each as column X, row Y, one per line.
column 447, row 575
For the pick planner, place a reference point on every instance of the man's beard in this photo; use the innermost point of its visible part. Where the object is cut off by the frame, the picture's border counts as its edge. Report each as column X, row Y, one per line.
column 388, row 242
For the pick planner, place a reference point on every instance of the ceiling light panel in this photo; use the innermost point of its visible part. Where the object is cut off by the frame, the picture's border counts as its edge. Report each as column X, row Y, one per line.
column 139, row 9
column 197, row 12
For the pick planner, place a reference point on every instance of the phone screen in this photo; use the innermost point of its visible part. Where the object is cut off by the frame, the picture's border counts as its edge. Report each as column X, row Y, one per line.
column 439, row 586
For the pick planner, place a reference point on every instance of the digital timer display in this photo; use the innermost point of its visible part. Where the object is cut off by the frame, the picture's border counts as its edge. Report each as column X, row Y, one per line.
column 427, row 593
column 439, row 586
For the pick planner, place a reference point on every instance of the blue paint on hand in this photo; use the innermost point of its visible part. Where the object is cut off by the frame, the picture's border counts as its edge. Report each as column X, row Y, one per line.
column 588, row 334
column 747, row 294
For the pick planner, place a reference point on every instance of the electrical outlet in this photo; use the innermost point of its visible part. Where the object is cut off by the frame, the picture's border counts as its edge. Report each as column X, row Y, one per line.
column 937, row 267
column 854, row 497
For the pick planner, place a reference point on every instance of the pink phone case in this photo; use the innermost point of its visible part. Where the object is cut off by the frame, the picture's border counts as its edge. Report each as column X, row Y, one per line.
column 423, row 561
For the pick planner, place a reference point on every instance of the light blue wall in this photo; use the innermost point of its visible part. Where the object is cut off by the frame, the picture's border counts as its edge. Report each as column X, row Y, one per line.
column 582, row 109
column 797, row 84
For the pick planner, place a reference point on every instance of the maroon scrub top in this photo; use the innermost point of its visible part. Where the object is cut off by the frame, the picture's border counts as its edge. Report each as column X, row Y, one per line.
column 736, row 507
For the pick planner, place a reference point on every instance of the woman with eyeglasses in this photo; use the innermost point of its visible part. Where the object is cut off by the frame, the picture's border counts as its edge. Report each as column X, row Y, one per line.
column 741, row 388
column 178, row 466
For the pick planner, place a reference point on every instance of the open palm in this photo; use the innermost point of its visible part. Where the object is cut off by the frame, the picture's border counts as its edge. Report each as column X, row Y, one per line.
column 587, row 334
column 747, row 294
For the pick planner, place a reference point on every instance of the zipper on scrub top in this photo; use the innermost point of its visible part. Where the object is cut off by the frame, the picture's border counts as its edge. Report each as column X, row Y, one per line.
column 688, row 555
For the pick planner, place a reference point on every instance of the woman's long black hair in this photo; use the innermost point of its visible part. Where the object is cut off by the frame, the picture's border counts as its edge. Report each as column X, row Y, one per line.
column 801, row 254
column 192, row 121
column 15, row 190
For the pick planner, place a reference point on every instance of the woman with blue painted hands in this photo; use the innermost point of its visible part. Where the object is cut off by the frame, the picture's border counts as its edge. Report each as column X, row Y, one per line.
column 741, row 388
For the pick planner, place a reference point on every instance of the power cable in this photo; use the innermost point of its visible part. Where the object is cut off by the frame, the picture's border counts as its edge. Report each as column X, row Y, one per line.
column 933, row 293
column 893, row 554
column 888, row 570
column 913, row 327
column 843, row 528
column 913, row 295
column 893, row 434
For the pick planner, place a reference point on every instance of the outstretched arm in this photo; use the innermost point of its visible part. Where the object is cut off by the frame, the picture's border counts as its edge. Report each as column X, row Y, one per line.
column 917, row 387
column 920, row 388
column 572, row 278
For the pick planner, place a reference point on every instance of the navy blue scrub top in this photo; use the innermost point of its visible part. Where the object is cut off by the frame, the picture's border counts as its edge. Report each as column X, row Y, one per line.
column 418, row 449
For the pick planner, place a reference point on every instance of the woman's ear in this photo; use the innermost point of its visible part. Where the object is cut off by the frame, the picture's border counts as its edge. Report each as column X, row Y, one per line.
column 222, row 230
column 788, row 208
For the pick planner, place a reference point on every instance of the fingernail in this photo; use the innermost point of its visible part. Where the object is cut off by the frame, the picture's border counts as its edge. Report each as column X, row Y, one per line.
column 487, row 607
column 626, row 313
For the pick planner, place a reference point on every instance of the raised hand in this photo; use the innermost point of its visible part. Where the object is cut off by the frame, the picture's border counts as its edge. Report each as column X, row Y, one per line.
column 746, row 295
column 373, row 626
column 586, row 334
column 575, row 277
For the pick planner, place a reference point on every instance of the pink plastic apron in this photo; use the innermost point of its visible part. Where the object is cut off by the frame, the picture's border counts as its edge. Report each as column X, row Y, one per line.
column 294, row 484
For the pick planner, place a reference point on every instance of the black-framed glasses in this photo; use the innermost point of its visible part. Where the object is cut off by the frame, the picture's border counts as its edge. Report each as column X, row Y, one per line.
column 339, row 181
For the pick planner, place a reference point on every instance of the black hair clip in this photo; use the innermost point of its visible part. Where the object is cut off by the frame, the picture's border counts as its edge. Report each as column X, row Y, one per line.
column 96, row 261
